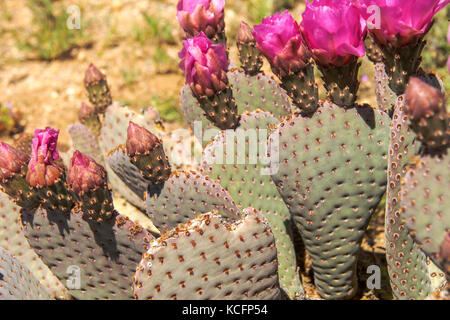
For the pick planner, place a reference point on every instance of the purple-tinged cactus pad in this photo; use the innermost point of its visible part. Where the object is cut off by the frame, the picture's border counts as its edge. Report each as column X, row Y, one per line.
column 211, row 258
column 401, row 251
column 185, row 195
column 94, row 260
column 425, row 207
column 13, row 238
column 128, row 173
column 386, row 98
column 17, row 282
column 85, row 141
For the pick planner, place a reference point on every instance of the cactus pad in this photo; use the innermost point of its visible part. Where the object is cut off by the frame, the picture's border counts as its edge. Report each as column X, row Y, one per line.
column 210, row 258
column 185, row 195
column 12, row 237
column 103, row 256
column 332, row 176
column 425, row 207
column 250, row 184
column 386, row 98
column 85, row 141
column 17, row 282
column 250, row 92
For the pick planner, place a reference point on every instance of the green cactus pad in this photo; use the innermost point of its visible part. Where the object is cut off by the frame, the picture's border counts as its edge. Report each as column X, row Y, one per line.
column 373, row 52
column 179, row 199
column 12, row 237
column 17, row 282
column 302, row 89
column 221, row 109
column 185, row 195
column 342, row 83
column 250, row 57
column 209, row 258
column 406, row 262
column 386, row 98
column 85, row 141
column 128, row 173
column 332, row 175
column 250, row 184
column 402, row 63
column 103, row 256
column 250, row 93
column 425, row 207
column 114, row 133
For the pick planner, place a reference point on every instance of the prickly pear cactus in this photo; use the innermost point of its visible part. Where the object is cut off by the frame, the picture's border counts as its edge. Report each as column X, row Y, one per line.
column 95, row 260
column 17, row 282
column 332, row 175
column 85, row 141
column 406, row 263
column 425, row 207
column 251, row 93
column 249, row 183
column 386, row 98
column 184, row 195
column 12, row 237
column 211, row 258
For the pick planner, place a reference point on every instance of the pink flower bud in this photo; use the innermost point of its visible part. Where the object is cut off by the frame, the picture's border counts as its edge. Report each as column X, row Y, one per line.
column 205, row 65
column 334, row 31
column 422, row 99
column 11, row 161
column 140, row 140
column 85, row 174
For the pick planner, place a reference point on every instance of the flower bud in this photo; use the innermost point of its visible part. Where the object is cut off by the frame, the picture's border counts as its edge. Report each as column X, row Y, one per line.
column 85, row 174
column 11, row 161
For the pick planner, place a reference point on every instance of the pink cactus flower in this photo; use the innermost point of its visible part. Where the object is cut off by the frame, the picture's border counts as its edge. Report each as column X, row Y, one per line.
column 205, row 16
column 85, row 174
column 401, row 22
column 279, row 39
column 205, row 65
column 11, row 161
column 334, row 31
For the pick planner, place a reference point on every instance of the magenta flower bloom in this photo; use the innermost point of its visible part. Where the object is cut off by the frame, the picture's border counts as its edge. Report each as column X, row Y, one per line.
column 205, row 16
column 279, row 39
column 85, row 174
column 402, row 21
column 334, row 31
column 11, row 161
column 44, row 145
column 42, row 170
column 205, row 65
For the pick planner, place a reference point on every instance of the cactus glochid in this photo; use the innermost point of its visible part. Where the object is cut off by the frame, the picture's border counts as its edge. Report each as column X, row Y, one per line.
column 281, row 182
